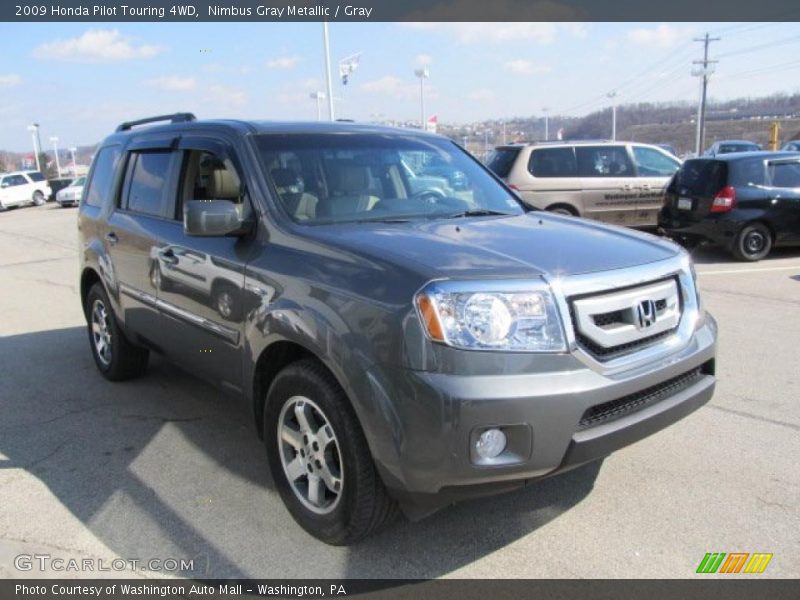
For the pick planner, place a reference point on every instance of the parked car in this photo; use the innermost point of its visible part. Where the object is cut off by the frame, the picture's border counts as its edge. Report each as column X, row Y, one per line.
column 747, row 203
column 22, row 188
column 615, row 182
column 793, row 146
column 397, row 347
column 668, row 148
column 71, row 195
column 730, row 146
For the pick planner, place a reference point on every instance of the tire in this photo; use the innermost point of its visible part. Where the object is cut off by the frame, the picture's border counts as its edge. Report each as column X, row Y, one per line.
column 226, row 301
column 562, row 209
column 38, row 198
column 753, row 242
column 335, row 453
column 115, row 357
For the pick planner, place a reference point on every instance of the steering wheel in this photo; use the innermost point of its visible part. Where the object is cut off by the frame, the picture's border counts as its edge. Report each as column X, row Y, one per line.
column 429, row 196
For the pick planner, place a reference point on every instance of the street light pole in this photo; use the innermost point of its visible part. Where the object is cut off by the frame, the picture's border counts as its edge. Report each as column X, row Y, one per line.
column 611, row 96
column 34, row 129
column 328, row 69
column 55, row 150
column 423, row 74
column 72, row 151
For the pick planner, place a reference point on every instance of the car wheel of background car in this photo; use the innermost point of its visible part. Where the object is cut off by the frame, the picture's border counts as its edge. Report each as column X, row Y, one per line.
column 562, row 209
column 753, row 242
column 157, row 279
column 226, row 302
column 38, row 198
column 319, row 457
column 116, row 358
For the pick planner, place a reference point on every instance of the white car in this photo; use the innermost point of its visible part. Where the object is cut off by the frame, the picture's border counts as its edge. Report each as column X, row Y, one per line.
column 71, row 195
column 22, row 188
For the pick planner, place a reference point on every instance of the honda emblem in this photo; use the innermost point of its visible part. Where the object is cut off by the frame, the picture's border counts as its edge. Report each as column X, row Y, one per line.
column 645, row 314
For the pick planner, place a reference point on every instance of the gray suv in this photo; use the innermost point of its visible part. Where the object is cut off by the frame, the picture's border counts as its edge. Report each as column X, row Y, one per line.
column 403, row 342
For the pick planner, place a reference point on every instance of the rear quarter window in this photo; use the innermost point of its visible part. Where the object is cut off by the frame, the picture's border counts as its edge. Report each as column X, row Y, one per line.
column 35, row 176
column 747, row 173
column 101, row 178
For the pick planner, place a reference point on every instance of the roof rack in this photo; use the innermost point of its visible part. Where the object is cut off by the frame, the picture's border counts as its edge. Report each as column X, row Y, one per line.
column 173, row 118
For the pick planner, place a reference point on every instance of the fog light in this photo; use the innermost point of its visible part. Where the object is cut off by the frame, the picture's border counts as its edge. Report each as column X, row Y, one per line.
column 491, row 443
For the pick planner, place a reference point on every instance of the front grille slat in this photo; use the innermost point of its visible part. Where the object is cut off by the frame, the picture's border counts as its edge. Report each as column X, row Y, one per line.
column 622, row 407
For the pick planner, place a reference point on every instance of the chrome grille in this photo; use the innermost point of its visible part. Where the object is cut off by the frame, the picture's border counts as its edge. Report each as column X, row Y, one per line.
column 609, row 324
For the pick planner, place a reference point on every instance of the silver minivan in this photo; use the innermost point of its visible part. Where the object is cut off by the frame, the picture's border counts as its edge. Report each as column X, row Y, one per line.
column 615, row 182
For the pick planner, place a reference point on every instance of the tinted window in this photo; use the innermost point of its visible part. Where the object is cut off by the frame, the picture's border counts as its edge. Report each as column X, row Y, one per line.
column 603, row 161
column 553, row 162
column 364, row 177
column 14, row 180
column 784, row 175
column 700, row 177
column 652, row 163
column 501, row 160
column 747, row 172
column 36, row 176
column 148, row 173
column 102, row 176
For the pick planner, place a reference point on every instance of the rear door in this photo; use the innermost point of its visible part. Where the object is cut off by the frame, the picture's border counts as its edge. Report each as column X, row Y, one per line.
column 783, row 179
column 654, row 168
column 135, row 230
column 608, row 182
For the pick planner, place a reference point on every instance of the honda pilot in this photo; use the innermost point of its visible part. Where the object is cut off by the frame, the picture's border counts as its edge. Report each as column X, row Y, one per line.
column 402, row 338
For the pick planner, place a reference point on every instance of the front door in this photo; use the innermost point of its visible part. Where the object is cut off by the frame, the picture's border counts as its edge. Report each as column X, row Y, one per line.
column 783, row 177
column 200, row 280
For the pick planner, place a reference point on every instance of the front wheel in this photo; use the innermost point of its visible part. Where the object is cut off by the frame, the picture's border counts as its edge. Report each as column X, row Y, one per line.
column 319, row 457
column 115, row 357
column 38, row 198
column 753, row 242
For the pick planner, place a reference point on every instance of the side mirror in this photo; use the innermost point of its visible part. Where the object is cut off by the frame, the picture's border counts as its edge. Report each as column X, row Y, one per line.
column 213, row 218
column 4, row 184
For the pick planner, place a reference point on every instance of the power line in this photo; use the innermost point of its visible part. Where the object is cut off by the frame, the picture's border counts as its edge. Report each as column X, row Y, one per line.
column 788, row 40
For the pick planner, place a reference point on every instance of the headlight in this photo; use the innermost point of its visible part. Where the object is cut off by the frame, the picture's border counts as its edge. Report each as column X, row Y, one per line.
column 518, row 316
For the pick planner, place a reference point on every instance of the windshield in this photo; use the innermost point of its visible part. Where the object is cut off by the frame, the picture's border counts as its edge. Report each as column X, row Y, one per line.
column 731, row 148
column 334, row 178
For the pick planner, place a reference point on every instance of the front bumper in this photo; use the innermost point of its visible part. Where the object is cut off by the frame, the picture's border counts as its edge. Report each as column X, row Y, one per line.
column 438, row 416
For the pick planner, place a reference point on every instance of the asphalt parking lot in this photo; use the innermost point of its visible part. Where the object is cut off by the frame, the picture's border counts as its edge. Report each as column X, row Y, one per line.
column 168, row 467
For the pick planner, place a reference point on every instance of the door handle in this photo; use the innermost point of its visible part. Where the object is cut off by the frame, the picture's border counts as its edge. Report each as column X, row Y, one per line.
column 627, row 187
column 112, row 238
column 168, row 256
column 646, row 186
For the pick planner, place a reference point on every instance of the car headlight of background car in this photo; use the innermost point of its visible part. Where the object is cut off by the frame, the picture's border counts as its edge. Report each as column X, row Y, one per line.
column 517, row 316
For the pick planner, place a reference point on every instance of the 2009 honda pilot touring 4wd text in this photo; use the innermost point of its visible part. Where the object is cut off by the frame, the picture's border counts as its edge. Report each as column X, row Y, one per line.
column 402, row 341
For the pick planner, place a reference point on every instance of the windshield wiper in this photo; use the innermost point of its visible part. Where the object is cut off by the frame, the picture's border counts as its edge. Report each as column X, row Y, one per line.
column 478, row 212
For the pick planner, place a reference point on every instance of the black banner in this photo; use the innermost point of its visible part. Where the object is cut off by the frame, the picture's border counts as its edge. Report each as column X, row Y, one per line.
column 398, row 10
column 732, row 587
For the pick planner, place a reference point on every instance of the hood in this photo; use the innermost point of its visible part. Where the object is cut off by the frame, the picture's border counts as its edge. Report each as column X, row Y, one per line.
column 520, row 246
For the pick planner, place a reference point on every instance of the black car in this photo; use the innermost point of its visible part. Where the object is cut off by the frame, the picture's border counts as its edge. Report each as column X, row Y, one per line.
column 731, row 146
column 793, row 146
column 746, row 202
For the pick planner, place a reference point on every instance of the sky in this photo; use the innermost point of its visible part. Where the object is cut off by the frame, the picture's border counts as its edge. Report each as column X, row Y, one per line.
column 80, row 80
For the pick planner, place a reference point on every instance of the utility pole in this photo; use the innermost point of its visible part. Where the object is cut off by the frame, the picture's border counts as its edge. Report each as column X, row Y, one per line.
column 423, row 74
column 611, row 96
column 705, row 72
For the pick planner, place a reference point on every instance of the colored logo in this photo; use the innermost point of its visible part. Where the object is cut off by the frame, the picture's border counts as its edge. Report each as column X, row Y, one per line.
column 734, row 562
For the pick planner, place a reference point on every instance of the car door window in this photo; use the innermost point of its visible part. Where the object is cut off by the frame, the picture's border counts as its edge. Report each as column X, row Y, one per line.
column 603, row 161
column 652, row 163
column 784, row 174
column 207, row 176
column 553, row 162
column 15, row 180
column 148, row 173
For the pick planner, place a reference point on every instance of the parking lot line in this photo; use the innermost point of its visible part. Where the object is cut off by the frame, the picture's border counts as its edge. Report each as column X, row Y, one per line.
column 736, row 271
